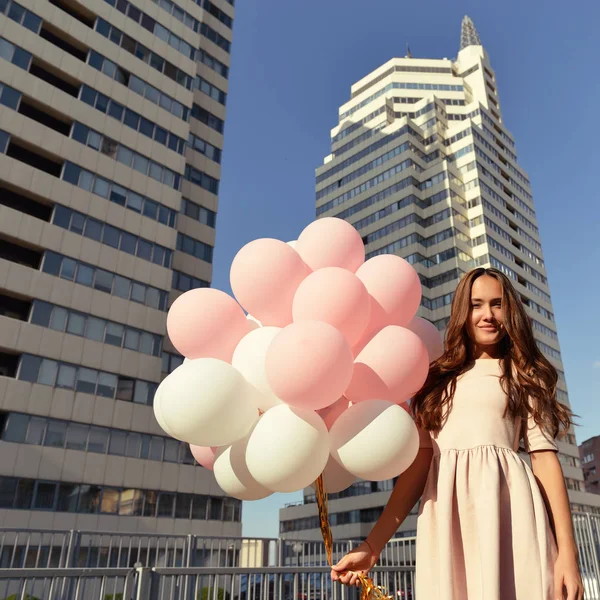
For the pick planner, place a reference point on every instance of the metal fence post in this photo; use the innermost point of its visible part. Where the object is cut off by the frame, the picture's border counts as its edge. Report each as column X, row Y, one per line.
column 147, row 584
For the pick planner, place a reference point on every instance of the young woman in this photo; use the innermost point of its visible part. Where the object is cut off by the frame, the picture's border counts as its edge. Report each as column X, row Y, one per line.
column 488, row 527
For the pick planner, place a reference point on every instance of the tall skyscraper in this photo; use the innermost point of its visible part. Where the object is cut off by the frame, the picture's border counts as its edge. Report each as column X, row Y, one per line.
column 111, row 130
column 423, row 166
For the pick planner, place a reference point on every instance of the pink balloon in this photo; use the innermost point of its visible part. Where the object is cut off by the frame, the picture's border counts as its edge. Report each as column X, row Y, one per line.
column 205, row 455
column 392, row 366
column 377, row 321
column 206, row 323
column 331, row 242
column 394, row 285
column 309, row 364
column 337, row 297
column 332, row 412
column 264, row 276
column 429, row 335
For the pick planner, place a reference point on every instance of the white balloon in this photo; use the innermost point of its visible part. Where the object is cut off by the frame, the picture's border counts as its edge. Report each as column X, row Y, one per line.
column 288, row 448
column 232, row 475
column 156, row 405
column 335, row 477
column 375, row 440
column 253, row 320
column 206, row 402
column 429, row 335
column 249, row 360
column 292, row 243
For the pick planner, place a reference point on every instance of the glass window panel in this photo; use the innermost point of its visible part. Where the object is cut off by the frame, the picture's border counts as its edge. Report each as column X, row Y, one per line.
column 24, row 493
column 77, row 434
column 148, row 23
column 15, row 429
column 111, row 236
column 98, row 440
column 183, row 505
column 157, row 62
column 152, row 94
column 85, row 275
column 146, row 127
column 86, row 380
column 160, row 135
column 56, row 433
column 156, row 171
column 132, row 339
column 94, row 329
column 29, row 367
column 199, row 507
column 110, row 501
column 76, row 323
column 52, row 263
column 68, row 269
column 171, row 450
column 117, row 442
column 107, row 385
column 216, row 508
column 48, row 372
column 114, row 334
column 128, row 242
column 145, row 446
column 66, row 376
column 125, row 389
column 228, row 509
column 152, row 296
column 141, row 393
column 144, row 250
column 138, row 292
column 68, row 496
column 163, row 215
column 118, row 195
column 134, row 441
column 150, row 501
column 115, row 110
column 41, row 312
column 150, row 209
column 124, row 155
column 45, row 495
column 89, row 498
column 158, row 257
column 185, row 455
column 58, row 319
column 132, row 119
column 101, row 187
column 147, row 343
column 122, row 287
column 86, row 180
column 135, row 201
column 168, row 178
column 103, row 281
column 140, row 163
column 94, row 139
column 36, row 431
column 131, row 502
column 166, row 504
column 156, row 448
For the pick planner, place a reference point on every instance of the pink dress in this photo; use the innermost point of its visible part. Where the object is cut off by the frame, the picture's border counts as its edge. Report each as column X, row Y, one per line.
column 483, row 532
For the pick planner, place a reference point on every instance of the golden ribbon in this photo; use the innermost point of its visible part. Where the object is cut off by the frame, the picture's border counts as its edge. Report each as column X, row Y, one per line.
column 369, row 591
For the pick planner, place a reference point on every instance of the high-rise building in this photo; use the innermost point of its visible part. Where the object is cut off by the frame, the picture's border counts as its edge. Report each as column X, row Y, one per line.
column 111, row 131
column 589, row 453
column 423, row 166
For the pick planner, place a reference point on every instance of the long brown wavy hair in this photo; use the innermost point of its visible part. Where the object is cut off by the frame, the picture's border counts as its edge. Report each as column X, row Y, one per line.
column 528, row 378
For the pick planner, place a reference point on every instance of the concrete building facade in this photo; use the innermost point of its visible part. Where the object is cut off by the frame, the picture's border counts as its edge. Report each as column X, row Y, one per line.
column 424, row 167
column 112, row 119
column 589, row 454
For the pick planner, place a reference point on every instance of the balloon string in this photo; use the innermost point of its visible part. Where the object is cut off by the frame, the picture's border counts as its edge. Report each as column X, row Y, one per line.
column 369, row 591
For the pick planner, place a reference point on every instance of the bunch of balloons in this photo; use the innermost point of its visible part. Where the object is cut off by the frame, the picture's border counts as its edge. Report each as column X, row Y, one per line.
column 314, row 379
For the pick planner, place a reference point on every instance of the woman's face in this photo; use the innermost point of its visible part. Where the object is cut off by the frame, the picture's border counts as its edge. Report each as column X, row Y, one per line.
column 486, row 319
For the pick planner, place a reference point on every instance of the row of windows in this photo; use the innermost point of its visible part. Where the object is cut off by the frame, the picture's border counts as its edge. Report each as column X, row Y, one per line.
column 56, row 433
column 194, row 247
column 431, row 282
column 588, row 458
column 170, row 362
column 210, row 90
column 205, row 181
column 4, row 139
column 503, row 134
column 131, row 119
column 206, row 117
column 493, row 137
column 94, row 328
column 15, row 55
column 402, row 86
column 184, row 282
column 9, row 97
column 536, row 290
column 469, row 71
column 31, row 494
column 426, row 261
column 199, row 145
column 198, row 213
column 112, row 236
column 383, row 158
column 193, row 23
column 406, row 164
column 357, row 124
column 416, row 238
column 22, row 16
column 514, row 259
column 574, row 484
column 402, row 69
column 358, row 488
column 498, row 214
column 216, row 12
column 364, row 515
column 135, row 84
column 147, row 22
column 366, row 151
column 507, row 236
column 111, row 283
column 549, row 350
column 212, row 63
column 504, row 204
column 119, row 195
column 44, row 371
column 127, row 156
column 571, row 461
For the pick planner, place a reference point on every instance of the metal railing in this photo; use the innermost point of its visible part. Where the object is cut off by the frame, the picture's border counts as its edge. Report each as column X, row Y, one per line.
column 85, row 565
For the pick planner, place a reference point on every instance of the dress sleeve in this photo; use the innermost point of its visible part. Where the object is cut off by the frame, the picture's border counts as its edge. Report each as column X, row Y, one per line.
column 536, row 437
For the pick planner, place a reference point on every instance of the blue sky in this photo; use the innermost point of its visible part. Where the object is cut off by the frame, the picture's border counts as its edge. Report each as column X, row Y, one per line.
column 292, row 66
